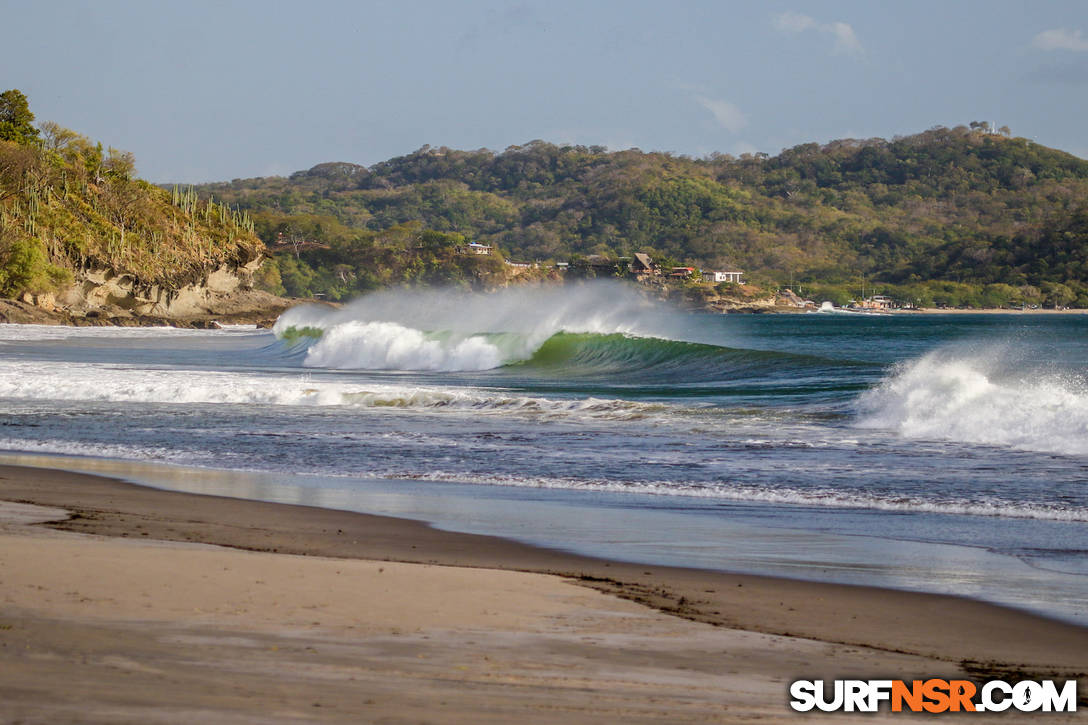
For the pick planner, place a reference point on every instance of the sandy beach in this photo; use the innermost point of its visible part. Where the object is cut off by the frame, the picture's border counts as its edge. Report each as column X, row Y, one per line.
column 132, row 604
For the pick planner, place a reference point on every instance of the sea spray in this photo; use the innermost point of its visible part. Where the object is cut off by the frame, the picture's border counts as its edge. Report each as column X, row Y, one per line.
column 982, row 398
column 456, row 330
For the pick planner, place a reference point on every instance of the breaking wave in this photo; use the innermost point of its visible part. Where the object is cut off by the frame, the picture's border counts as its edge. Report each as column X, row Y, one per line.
column 595, row 330
column 356, row 345
column 40, row 381
column 976, row 398
column 445, row 330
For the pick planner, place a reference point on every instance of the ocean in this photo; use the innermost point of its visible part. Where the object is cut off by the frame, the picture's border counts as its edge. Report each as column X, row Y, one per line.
column 944, row 453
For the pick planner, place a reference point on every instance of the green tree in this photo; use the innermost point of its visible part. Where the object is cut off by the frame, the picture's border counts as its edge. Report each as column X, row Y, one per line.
column 16, row 120
column 268, row 277
column 1057, row 294
column 120, row 164
column 296, row 276
column 941, row 214
column 24, row 266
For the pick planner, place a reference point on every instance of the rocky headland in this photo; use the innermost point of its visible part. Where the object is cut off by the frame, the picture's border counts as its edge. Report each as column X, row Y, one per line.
column 99, row 297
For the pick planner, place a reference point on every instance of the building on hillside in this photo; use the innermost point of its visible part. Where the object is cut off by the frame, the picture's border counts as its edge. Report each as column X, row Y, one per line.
column 877, row 302
column 734, row 276
column 682, row 272
column 602, row 266
column 642, row 266
column 477, row 248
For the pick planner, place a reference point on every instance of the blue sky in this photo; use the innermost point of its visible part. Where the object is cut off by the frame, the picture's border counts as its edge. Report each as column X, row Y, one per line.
column 203, row 91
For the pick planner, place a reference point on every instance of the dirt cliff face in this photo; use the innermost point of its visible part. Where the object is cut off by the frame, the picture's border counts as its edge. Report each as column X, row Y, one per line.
column 103, row 296
column 104, row 290
column 81, row 236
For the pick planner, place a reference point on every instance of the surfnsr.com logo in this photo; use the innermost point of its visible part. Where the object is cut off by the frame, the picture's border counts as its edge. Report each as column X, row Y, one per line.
column 933, row 695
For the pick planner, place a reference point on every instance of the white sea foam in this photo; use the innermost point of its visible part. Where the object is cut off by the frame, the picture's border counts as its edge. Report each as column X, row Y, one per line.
column 724, row 491
column 90, row 382
column 970, row 399
column 357, row 345
column 108, row 383
column 33, row 333
column 451, row 330
column 710, row 490
column 80, row 449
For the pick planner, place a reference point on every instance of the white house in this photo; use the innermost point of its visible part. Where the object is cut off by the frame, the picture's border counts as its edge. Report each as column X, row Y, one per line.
column 727, row 276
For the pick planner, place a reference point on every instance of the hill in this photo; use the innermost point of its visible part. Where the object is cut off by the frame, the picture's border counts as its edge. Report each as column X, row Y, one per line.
column 957, row 216
column 79, row 233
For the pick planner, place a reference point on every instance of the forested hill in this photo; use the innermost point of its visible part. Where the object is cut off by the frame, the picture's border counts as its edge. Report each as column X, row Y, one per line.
column 959, row 204
column 79, row 231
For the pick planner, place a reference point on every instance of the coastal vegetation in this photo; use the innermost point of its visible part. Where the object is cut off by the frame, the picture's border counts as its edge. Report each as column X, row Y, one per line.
column 951, row 216
column 318, row 255
column 69, row 207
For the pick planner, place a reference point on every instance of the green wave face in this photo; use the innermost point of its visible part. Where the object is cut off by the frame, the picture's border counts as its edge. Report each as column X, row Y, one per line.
column 605, row 353
column 613, row 357
column 655, row 359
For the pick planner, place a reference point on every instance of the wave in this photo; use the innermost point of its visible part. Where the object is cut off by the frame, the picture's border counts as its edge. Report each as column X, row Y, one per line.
column 977, row 398
column 983, row 505
column 584, row 331
column 356, row 345
column 655, row 358
column 19, row 333
column 564, row 355
column 45, row 381
column 821, row 497
column 445, row 330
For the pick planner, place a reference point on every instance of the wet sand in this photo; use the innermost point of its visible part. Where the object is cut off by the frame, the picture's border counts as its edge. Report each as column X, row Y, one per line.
column 142, row 605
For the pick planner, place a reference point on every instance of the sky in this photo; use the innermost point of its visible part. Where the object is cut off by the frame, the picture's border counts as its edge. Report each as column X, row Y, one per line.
column 213, row 91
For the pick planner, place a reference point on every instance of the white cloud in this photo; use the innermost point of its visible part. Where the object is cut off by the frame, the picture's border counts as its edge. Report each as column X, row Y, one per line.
column 1061, row 39
column 725, row 113
column 791, row 22
column 845, row 39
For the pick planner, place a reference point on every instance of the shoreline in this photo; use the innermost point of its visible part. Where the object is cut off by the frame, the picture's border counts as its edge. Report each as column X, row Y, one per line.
column 743, row 541
column 250, row 307
column 123, row 603
column 265, row 314
column 1006, row 637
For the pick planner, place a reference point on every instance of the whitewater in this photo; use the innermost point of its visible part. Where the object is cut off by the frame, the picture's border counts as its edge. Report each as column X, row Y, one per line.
column 945, row 453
